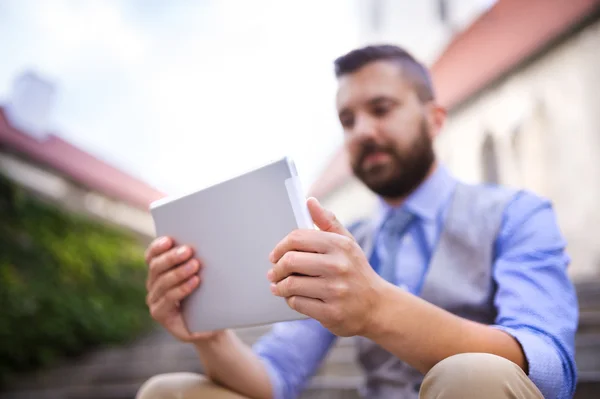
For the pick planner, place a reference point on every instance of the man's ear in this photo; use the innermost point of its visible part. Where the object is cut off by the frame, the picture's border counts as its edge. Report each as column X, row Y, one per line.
column 436, row 117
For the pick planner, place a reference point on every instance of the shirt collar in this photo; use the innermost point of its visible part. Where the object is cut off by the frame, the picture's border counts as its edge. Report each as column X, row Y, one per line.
column 428, row 200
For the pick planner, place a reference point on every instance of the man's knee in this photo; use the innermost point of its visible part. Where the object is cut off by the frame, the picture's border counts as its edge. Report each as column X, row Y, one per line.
column 471, row 375
column 182, row 386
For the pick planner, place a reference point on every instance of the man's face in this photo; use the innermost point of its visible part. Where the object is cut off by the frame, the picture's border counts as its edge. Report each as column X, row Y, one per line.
column 387, row 134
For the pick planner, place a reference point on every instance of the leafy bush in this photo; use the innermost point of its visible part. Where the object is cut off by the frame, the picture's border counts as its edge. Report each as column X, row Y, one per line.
column 66, row 283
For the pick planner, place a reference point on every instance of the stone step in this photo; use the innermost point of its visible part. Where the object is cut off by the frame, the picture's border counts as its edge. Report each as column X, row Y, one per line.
column 586, row 390
column 128, row 391
column 167, row 349
column 588, row 290
column 117, row 372
column 336, row 393
column 98, row 389
column 112, row 391
column 587, row 356
column 589, row 320
column 137, row 373
column 154, row 354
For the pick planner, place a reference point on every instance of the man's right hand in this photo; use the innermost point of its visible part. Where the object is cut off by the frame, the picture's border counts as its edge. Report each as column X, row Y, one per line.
column 173, row 274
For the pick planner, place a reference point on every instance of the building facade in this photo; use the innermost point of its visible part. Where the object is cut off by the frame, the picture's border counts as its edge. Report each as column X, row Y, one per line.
column 59, row 172
column 539, row 128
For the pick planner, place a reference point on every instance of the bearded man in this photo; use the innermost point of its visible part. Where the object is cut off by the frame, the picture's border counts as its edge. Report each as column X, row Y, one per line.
column 451, row 290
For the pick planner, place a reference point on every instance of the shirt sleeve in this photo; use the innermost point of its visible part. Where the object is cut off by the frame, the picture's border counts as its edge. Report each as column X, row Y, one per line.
column 535, row 299
column 292, row 352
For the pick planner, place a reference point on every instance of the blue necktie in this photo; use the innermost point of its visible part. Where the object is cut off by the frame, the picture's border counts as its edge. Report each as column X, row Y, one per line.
column 391, row 235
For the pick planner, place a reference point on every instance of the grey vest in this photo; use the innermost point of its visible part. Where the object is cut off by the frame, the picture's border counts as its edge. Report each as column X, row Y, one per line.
column 459, row 279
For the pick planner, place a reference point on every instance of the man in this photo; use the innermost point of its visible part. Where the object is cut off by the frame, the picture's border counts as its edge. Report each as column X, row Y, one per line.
column 451, row 290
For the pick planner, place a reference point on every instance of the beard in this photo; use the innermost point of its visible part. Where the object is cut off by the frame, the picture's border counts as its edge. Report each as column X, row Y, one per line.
column 404, row 171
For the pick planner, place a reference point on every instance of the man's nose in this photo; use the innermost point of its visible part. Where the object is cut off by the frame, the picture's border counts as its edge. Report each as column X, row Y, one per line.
column 365, row 127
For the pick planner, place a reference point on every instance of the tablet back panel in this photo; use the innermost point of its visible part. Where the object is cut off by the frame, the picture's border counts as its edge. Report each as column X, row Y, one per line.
column 233, row 226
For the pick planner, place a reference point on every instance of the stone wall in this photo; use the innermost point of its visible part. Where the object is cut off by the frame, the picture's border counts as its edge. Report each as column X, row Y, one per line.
column 542, row 126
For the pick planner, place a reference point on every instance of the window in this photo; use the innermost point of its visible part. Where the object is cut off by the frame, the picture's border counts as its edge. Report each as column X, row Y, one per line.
column 442, row 6
column 489, row 161
column 376, row 15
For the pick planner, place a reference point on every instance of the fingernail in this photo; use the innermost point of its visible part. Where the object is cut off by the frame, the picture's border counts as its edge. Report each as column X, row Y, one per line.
column 271, row 257
column 192, row 282
column 270, row 275
column 191, row 267
column 181, row 250
column 273, row 288
column 163, row 241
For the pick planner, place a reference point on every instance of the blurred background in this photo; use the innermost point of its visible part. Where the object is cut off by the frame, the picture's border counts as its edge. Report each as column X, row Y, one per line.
column 106, row 106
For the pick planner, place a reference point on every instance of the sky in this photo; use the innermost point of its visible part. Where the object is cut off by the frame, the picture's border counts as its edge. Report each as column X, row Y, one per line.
column 184, row 94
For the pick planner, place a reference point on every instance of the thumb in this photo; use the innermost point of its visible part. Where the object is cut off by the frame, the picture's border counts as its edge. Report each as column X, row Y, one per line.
column 324, row 219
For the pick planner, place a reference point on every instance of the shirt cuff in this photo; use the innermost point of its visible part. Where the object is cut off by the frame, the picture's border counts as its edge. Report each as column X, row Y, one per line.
column 274, row 378
column 545, row 365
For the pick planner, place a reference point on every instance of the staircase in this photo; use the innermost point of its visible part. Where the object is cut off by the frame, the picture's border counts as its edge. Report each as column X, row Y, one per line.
column 118, row 372
column 587, row 341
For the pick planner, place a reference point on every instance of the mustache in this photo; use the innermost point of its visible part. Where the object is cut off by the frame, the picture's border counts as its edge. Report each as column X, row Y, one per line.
column 371, row 148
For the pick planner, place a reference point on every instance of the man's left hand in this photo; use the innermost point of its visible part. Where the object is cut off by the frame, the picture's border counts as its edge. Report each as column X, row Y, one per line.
column 325, row 275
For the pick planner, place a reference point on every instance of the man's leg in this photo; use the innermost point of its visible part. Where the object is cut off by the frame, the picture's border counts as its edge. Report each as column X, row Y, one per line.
column 477, row 375
column 183, row 386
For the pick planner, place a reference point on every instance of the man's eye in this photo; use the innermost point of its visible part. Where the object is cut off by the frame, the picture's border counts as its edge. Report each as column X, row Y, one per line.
column 381, row 110
column 347, row 122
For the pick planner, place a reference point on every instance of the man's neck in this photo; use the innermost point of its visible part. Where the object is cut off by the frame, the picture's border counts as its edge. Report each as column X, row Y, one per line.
column 395, row 202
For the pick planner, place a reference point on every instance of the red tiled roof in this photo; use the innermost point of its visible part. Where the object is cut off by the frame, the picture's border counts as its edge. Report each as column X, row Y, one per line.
column 78, row 165
column 336, row 172
column 497, row 42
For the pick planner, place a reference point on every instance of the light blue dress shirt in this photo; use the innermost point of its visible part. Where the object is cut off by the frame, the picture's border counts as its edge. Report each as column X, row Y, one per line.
column 535, row 299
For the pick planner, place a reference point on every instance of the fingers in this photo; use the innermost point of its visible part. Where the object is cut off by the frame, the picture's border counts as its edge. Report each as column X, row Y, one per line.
column 308, row 306
column 310, row 287
column 166, row 261
column 304, row 241
column 325, row 219
column 172, row 278
column 157, row 247
column 172, row 297
column 305, row 263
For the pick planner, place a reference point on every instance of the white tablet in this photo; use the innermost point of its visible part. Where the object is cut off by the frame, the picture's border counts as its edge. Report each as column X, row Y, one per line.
column 233, row 227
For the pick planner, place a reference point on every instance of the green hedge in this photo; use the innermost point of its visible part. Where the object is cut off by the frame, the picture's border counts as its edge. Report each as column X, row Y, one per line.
column 66, row 283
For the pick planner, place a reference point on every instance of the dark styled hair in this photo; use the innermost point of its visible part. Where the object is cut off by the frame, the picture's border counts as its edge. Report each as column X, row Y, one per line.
column 412, row 69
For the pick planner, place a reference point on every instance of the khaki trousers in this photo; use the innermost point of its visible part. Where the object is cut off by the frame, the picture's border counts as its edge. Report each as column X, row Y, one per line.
column 464, row 376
